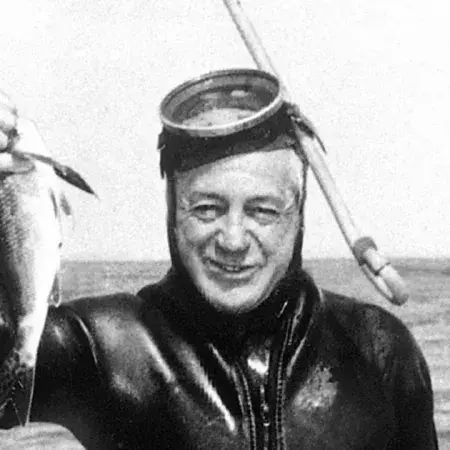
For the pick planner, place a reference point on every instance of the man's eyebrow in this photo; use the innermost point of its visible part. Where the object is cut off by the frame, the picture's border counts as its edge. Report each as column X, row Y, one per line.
column 268, row 198
column 202, row 195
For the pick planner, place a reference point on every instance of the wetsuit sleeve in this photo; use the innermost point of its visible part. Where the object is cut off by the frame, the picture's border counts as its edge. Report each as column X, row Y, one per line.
column 66, row 368
column 413, row 397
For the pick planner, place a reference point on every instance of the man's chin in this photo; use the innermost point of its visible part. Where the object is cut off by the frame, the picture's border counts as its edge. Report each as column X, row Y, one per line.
column 234, row 301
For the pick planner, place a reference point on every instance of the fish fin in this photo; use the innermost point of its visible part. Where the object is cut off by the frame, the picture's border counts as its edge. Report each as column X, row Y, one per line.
column 22, row 395
column 66, row 208
column 72, row 177
column 60, row 203
column 55, row 294
column 65, row 172
column 65, row 205
column 15, row 163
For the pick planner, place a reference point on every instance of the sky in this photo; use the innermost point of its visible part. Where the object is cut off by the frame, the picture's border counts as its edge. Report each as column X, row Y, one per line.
column 372, row 76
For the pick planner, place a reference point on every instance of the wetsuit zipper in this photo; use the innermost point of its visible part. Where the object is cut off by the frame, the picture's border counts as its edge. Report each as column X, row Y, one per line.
column 280, row 379
column 248, row 409
column 280, row 384
column 271, row 419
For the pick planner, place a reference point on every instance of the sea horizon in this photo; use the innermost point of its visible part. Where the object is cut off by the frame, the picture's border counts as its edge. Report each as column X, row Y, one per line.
column 392, row 259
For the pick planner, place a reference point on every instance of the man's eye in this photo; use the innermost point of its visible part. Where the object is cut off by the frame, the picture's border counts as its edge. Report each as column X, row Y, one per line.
column 264, row 215
column 206, row 212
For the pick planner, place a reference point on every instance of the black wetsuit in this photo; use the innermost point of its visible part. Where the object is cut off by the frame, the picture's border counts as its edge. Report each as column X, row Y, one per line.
column 307, row 370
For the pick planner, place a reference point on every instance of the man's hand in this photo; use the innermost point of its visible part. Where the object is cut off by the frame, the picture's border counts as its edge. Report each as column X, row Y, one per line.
column 25, row 145
column 20, row 136
column 8, row 120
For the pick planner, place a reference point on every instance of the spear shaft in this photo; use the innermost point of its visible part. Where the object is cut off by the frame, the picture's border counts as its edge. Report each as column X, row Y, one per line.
column 375, row 266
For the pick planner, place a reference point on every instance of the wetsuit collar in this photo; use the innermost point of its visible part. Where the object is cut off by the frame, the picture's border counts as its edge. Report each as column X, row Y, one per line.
column 187, row 309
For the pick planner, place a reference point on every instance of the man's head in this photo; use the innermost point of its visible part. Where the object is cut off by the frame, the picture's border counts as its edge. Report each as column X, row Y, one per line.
column 236, row 225
column 236, row 185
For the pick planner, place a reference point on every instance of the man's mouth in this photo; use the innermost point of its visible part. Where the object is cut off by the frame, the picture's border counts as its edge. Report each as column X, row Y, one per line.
column 231, row 269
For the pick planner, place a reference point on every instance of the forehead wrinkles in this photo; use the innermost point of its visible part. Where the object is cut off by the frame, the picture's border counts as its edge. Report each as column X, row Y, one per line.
column 283, row 167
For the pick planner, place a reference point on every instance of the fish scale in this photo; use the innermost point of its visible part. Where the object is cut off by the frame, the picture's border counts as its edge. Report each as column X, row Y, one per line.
column 31, row 206
column 29, row 262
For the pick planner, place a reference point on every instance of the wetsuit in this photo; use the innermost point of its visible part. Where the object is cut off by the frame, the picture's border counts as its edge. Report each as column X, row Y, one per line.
column 159, row 370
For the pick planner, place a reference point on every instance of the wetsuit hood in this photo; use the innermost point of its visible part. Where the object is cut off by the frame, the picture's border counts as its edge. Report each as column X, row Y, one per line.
column 199, row 306
column 181, row 151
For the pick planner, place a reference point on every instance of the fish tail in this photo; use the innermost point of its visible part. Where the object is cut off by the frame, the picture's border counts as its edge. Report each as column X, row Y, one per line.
column 17, row 386
column 22, row 395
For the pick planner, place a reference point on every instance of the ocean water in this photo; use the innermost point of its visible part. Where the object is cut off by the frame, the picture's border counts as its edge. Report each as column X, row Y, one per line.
column 427, row 314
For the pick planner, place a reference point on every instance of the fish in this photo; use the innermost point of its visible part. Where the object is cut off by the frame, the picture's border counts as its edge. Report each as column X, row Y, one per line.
column 32, row 206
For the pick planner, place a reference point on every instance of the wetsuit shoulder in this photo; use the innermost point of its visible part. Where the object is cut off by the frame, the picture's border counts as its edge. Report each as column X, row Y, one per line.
column 121, row 334
column 381, row 337
column 388, row 346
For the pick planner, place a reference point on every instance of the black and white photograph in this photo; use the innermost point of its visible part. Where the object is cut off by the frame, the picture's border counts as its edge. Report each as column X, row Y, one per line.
column 224, row 224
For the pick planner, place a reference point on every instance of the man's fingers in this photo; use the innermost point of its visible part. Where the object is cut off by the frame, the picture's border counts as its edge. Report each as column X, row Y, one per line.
column 8, row 112
column 8, row 119
column 3, row 141
column 8, row 122
column 27, row 136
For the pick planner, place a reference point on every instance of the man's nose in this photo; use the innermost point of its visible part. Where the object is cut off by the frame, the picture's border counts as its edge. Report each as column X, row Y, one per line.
column 233, row 236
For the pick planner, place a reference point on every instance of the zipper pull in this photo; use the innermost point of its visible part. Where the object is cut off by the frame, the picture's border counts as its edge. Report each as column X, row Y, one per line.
column 265, row 416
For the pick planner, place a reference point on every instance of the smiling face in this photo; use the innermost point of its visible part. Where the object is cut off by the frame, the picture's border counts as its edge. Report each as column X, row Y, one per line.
column 237, row 220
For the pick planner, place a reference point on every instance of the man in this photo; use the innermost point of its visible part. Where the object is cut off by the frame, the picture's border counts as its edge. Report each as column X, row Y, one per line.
column 236, row 347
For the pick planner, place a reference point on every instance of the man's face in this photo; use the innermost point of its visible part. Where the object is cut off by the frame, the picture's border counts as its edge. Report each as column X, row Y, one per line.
column 236, row 224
